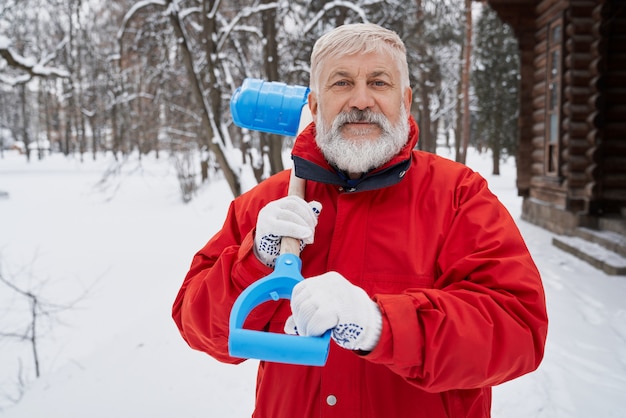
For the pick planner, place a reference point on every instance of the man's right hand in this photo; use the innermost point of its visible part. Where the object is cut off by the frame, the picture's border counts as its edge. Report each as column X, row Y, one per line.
column 289, row 216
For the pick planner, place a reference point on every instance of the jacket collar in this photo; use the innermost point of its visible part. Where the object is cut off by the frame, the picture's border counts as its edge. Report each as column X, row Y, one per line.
column 310, row 164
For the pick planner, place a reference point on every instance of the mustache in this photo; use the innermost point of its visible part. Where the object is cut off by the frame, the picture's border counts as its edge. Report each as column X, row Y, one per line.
column 356, row 115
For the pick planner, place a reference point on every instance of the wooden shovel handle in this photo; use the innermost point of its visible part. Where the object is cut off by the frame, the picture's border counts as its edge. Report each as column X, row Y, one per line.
column 297, row 186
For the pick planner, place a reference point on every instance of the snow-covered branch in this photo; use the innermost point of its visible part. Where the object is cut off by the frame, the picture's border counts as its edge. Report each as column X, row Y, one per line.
column 136, row 7
column 247, row 11
column 331, row 5
column 29, row 65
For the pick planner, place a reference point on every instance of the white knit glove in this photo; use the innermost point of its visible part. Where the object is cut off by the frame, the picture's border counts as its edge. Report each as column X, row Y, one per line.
column 289, row 216
column 330, row 301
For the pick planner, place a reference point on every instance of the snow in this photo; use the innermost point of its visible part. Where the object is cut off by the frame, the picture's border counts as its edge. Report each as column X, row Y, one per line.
column 592, row 251
column 5, row 42
column 120, row 248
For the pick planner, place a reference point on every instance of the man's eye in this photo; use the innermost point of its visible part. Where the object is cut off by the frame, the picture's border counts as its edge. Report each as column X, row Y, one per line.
column 379, row 83
column 341, row 83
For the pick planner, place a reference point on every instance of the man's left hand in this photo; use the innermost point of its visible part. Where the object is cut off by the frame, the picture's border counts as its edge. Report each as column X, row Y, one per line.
column 330, row 301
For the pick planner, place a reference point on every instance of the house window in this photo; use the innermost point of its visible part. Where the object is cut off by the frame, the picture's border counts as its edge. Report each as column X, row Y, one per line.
column 553, row 99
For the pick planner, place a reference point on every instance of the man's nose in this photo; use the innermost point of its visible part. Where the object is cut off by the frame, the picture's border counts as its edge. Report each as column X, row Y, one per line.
column 361, row 97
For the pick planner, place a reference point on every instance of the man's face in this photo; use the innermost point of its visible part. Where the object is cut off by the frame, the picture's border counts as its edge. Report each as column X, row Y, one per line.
column 360, row 81
column 360, row 110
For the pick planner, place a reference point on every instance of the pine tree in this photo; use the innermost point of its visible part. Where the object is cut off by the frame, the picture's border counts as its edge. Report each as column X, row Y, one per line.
column 495, row 80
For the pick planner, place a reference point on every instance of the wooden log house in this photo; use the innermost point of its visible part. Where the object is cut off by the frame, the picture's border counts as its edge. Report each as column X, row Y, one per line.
column 571, row 168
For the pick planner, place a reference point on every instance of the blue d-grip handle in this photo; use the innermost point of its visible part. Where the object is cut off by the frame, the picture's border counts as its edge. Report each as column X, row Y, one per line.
column 268, row 346
column 268, row 106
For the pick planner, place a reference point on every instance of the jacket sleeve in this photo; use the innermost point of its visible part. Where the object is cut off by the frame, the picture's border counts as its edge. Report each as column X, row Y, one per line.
column 484, row 321
column 219, row 272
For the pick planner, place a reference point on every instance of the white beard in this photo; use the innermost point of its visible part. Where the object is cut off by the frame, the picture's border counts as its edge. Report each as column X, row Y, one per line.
column 362, row 155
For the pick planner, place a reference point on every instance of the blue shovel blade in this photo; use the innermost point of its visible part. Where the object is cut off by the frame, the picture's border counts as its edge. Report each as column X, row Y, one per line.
column 268, row 346
column 268, row 106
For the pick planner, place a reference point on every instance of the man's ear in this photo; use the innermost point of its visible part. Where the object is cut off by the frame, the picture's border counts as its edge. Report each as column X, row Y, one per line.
column 313, row 104
column 408, row 98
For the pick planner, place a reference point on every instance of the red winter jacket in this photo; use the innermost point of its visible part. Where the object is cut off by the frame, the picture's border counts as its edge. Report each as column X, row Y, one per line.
column 462, row 301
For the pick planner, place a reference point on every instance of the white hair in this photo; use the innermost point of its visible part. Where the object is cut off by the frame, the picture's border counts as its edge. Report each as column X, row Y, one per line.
column 358, row 38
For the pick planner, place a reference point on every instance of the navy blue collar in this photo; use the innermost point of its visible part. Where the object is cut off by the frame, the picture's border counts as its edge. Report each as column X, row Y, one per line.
column 370, row 181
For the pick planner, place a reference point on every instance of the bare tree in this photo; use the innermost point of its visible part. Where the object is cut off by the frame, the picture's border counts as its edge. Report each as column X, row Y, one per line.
column 271, row 145
column 40, row 311
column 207, row 96
column 26, row 68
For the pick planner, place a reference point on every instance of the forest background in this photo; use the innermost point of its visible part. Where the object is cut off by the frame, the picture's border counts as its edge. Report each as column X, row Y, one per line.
column 85, row 78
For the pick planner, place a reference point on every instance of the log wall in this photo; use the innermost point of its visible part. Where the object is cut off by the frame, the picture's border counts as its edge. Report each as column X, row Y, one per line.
column 582, row 175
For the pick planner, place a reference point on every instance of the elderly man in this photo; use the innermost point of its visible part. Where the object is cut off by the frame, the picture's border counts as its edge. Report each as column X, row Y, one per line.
column 417, row 269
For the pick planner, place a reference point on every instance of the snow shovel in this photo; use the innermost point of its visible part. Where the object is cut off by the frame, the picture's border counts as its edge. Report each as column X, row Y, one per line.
column 276, row 108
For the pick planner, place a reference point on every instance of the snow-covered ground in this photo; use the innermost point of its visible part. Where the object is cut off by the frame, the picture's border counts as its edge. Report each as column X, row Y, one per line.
column 113, row 253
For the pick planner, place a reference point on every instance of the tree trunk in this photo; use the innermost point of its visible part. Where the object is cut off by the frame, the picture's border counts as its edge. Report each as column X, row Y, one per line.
column 208, row 111
column 212, row 108
column 466, row 79
column 495, row 152
column 273, row 142
column 458, row 129
column 426, row 134
column 25, row 137
column 114, row 127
